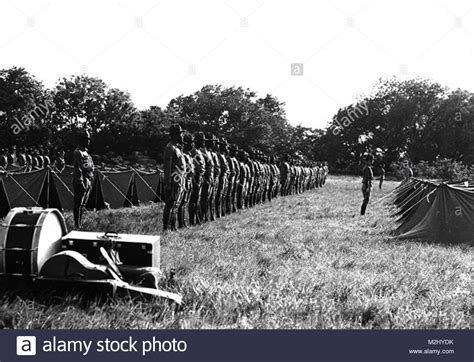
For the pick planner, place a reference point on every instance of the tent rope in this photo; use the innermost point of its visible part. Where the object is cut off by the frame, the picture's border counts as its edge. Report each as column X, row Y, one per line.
column 146, row 183
column 416, row 193
column 22, row 188
column 116, row 188
column 63, row 183
column 427, row 200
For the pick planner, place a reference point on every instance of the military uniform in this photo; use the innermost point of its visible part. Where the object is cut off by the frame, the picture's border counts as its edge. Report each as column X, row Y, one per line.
column 285, row 178
column 82, row 177
column 234, row 179
column 208, row 182
column 382, row 177
column 59, row 162
column 188, row 187
column 223, row 180
column 174, row 178
column 217, row 174
column 22, row 158
column 407, row 173
column 367, row 177
column 12, row 157
column 195, row 216
column 3, row 160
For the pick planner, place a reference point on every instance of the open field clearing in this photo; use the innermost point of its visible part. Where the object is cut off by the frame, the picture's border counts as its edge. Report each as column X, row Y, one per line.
column 303, row 261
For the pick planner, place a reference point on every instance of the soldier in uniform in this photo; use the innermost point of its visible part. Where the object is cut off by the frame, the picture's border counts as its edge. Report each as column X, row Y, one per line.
column 285, row 177
column 82, row 176
column 46, row 159
column 382, row 175
column 22, row 158
column 12, row 157
column 59, row 163
column 38, row 160
column 188, row 141
column 29, row 160
column 208, row 182
column 250, row 181
column 244, row 178
column 234, row 179
column 223, row 178
column 253, row 179
column 367, row 177
column 214, row 148
column 199, row 163
column 326, row 172
column 3, row 160
column 174, row 177
column 407, row 171
column 277, row 176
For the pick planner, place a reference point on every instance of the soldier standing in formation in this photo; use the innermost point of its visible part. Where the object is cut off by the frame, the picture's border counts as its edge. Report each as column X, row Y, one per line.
column 3, row 160
column 199, row 164
column 82, row 176
column 234, row 175
column 211, row 178
column 223, row 178
column 213, row 147
column 188, row 145
column 174, row 177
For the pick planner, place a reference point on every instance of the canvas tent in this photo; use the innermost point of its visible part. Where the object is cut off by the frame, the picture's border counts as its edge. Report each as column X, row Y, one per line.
column 47, row 188
column 435, row 211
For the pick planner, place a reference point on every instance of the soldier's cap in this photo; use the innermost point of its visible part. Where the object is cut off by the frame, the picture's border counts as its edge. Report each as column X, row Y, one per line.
column 175, row 129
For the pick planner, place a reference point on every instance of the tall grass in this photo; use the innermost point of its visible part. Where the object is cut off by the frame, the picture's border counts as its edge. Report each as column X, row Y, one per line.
column 303, row 261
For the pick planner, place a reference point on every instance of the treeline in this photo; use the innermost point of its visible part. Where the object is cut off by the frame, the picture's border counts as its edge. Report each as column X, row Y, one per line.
column 414, row 119
column 417, row 120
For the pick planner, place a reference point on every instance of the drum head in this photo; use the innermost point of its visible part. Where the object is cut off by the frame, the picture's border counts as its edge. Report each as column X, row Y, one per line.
column 49, row 241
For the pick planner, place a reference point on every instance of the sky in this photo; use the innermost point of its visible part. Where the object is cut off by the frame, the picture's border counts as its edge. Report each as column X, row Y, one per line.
column 315, row 56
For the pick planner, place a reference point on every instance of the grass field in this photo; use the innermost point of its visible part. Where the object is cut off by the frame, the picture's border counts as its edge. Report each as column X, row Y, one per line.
column 304, row 261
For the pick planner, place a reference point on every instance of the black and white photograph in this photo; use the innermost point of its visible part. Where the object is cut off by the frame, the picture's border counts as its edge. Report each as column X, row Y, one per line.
column 236, row 165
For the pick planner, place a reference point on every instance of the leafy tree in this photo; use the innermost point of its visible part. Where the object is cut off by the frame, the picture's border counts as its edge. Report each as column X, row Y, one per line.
column 25, row 108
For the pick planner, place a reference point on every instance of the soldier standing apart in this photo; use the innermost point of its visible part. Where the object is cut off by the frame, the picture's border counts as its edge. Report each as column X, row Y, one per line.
column 367, row 177
column 326, row 171
column 382, row 175
column 174, row 177
column 407, row 171
column 195, row 216
column 82, row 176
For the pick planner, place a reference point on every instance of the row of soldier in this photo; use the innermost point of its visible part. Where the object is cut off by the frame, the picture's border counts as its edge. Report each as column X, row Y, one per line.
column 31, row 159
column 209, row 178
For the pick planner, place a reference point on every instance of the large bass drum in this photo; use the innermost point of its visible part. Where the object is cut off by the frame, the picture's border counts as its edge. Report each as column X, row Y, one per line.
column 29, row 237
